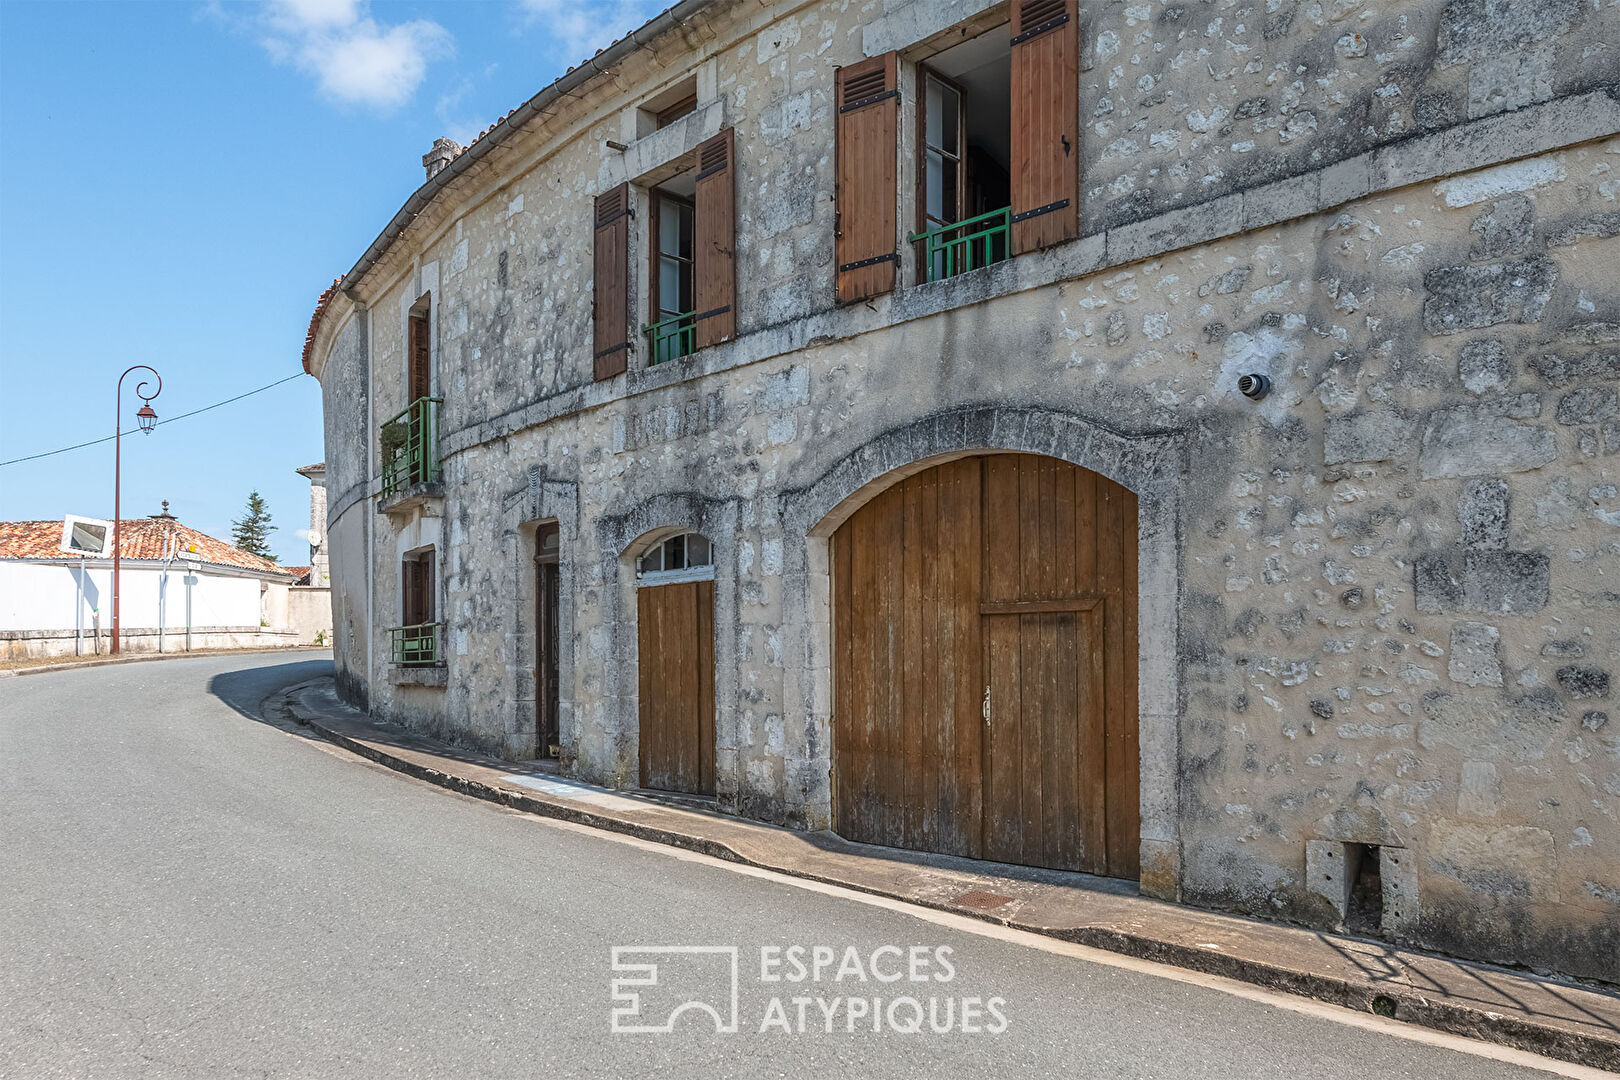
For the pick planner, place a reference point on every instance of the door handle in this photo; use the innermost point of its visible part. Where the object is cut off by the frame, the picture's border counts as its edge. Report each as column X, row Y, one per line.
column 987, row 706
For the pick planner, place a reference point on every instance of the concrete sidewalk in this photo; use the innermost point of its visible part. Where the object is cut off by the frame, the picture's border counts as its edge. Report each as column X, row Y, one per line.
column 1565, row 1020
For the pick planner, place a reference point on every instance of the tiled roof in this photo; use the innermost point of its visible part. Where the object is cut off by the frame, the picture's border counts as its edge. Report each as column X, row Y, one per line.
column 319, row 466
column 315, row 321
column 139, row 538
column 299, row 572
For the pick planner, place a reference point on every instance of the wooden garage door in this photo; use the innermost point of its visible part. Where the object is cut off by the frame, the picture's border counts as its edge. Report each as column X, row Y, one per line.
column 675, row 639
column 984, row 625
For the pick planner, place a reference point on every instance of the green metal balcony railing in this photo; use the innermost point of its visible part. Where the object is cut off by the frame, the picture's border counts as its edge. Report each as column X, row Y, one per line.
column 410, row 446
column 967, row 245
column 673, row 337
column 414, row 646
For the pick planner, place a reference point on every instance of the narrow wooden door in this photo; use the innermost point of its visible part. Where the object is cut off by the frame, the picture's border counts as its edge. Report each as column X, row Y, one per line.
column 985, row 666
column 547, row 596
column 675, row 638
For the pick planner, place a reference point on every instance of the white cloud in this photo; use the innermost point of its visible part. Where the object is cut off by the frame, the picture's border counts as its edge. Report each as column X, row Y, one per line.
column 354, row 59
column 581, row 27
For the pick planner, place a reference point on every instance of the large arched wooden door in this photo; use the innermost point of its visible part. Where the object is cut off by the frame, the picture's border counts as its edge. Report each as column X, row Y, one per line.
column 984, row 666
column 675, row 655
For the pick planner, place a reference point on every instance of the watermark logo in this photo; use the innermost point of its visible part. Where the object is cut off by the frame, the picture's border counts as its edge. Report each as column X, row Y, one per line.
column 800, row 990
column 655, row 985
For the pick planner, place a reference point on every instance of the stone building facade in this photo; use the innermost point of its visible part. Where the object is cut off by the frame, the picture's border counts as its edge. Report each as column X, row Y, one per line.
column 1330, row 301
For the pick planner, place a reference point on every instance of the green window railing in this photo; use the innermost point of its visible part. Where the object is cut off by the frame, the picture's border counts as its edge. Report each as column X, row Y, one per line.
column 967, row 245
column 410, row 446
column 414, row 646
column 673, row 337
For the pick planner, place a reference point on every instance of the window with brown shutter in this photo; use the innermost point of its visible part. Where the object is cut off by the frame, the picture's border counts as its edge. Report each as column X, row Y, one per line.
column 868, row 101
column 1045, row 123
column 611, row 290
column 416, row 587
column 419, row 361
column 715, row 262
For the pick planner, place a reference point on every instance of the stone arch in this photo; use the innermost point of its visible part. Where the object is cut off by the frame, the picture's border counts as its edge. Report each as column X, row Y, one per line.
column 1150, row 464
column 621, row 539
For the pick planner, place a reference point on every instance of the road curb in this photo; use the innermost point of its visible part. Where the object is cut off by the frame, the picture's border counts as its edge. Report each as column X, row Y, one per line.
column 1382, row 999
column 106, row 661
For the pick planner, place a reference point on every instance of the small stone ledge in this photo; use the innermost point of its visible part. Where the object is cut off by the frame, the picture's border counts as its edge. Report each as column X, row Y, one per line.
column 419, row 676
column 412, row 497
column 1465, row 148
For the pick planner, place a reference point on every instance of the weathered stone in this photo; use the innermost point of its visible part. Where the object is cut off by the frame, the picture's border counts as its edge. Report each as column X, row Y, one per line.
column 1469, row 440
column 1518, row 860
column 1321, row 708
column 1473, row 660
column 1437, row 582
column 1504, row 229
column 1568, row 649
column 1480, row 792
column 1484, row 367
column 1563, row 370
column 1505, row 581
column 1483, row 513
column 1588, row 405
column 1584, row 682
column 1598, row 226
column 1594, row 719
column 1377, row 435
column 1471, row 297
column 1487, row 729
column 1481, row 29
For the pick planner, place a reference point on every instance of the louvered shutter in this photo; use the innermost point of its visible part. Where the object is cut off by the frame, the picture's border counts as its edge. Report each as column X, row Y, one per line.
column 868, row 100
column 1045, row 123
column 612, row 282
column 420, row 361
column 715, row 262
column 424, row 581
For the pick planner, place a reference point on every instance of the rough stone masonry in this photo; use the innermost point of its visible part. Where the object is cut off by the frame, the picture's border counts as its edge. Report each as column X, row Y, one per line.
column 1379, row 607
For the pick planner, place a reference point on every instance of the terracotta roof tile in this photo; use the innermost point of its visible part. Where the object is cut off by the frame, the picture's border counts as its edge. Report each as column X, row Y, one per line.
column 315, row 321
column 140, row 538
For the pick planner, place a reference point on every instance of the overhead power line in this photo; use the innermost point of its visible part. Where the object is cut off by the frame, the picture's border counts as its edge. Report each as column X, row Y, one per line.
column 160, row 423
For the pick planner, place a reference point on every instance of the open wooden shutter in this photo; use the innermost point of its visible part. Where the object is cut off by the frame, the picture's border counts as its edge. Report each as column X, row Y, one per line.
column 420, row 359
column 1045, row 123
column 715, row 262
column 612, row 282
column 868, row 99
column 424, row 581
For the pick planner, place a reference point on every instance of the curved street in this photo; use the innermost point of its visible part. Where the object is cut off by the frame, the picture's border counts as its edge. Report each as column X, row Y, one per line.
column 187, row 890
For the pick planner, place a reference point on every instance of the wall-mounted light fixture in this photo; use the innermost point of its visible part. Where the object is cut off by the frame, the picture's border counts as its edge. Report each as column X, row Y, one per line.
column 1255, row 386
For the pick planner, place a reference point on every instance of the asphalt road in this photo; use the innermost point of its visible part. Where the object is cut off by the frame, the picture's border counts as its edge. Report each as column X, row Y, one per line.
column 188, row 891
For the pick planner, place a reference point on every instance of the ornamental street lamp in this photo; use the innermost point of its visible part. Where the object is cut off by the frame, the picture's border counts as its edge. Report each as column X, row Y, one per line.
column 147, row 419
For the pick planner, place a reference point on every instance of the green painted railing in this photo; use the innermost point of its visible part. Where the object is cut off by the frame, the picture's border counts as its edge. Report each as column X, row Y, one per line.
column 673, row 337
column 966, row 245
column 410, row 446
column 414, row 646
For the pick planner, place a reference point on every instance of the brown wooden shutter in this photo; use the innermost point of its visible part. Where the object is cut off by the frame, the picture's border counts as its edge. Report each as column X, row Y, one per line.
column 424, row 580
column 612, row 282
column 715, row 270
column 868, row 100
column 1045, row 123
column 420, row 359
column 410, row 613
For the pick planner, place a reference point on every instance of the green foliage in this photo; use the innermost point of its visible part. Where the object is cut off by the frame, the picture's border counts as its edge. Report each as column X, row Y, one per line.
column 252, row 532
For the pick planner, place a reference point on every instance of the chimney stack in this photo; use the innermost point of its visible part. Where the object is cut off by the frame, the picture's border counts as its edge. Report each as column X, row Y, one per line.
column 435, row 160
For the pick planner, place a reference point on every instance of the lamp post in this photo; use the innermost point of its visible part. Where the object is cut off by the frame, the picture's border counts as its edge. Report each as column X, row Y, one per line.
column 147, row 419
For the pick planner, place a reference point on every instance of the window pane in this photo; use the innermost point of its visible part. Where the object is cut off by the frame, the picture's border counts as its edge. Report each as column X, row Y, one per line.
column 669, row 226
column 944, row 106
column 669, row 287
column 950, row 207
column 697, row 550
column 675, row 553
column 935, row 113
column 935, row 169
column 653, row 561
column 686, row 231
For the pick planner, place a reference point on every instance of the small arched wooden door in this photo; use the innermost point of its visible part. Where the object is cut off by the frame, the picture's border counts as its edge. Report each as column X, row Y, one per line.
column 675, row 654
column 984, row 666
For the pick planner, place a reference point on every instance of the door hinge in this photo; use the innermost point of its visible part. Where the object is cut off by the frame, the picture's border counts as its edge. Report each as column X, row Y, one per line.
column 986, row 706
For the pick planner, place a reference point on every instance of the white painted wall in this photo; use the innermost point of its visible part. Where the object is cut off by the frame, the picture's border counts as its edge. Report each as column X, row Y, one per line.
column 39, row 596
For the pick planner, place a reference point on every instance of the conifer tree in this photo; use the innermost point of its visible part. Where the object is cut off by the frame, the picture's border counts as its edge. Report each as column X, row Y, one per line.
column 252, row 533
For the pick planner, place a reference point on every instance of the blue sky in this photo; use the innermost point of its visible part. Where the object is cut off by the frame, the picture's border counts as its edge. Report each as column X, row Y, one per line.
column 183, row 181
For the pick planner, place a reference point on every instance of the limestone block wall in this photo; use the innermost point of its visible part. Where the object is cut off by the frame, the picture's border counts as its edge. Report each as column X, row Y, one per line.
column 1378, row 603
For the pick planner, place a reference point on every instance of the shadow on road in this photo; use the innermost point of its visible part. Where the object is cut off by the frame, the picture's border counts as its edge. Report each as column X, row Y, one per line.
column 246, row 689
